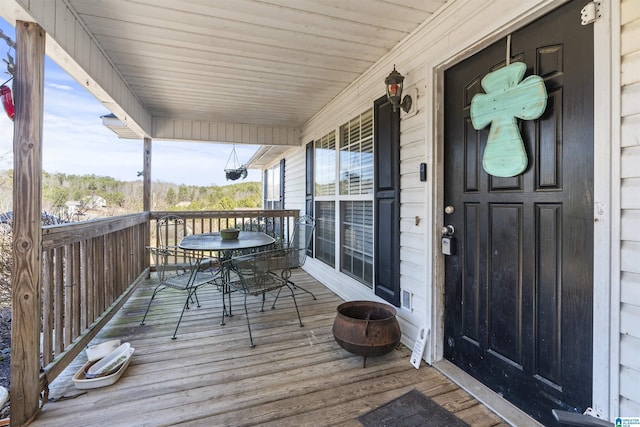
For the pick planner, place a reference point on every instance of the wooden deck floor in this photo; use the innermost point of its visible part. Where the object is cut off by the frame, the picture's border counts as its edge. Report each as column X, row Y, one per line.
column 210, row 377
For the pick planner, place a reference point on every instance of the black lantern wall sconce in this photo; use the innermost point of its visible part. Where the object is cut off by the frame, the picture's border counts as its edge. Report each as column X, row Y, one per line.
column 394, row 91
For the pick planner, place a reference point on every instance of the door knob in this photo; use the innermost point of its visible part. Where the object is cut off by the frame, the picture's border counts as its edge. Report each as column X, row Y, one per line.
column 448, row 230
column 449, row 210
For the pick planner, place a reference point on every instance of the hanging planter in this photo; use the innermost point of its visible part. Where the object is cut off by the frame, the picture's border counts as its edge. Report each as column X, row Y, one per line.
column 233, row 169
column 233, row 174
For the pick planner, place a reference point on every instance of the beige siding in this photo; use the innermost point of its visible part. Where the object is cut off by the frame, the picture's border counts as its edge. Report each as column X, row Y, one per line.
column 630, row 215
column 414, row 216
column 294, row 180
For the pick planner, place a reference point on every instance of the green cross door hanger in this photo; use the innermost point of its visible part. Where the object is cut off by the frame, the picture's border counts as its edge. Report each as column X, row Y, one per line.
column 507, row 98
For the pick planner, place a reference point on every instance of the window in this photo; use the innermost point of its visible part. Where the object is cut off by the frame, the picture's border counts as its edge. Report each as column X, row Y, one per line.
column 356, row 198
column 356, row 155
column 356, row 220
column 272, row 187
column 325, row 240
column 350, row 162
column 325, row 165
column 325, row 194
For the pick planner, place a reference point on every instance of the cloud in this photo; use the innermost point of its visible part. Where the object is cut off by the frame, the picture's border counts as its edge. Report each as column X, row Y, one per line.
column 59, row 86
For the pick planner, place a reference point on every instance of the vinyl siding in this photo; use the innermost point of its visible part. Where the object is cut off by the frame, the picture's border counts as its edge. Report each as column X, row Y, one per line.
column 629, row 399
column 294, row 180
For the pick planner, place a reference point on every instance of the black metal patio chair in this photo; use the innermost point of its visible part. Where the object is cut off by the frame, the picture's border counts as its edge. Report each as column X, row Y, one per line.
column 178, row 269
column 252, row 275
column 194, row 273
column 294, row 254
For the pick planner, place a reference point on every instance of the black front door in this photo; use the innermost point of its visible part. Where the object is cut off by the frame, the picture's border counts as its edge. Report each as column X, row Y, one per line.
column 518, row 289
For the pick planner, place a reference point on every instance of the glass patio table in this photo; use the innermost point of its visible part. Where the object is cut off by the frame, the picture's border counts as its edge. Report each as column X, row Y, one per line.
column 213, row 242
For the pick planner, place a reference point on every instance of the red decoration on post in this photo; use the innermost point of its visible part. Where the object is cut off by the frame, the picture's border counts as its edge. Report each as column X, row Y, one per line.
column 7, row 101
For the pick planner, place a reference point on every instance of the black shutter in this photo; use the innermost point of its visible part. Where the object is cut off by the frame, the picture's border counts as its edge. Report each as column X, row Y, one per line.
column 387, row 201
column 309, row 188
column 265, row 183
column 309, row 180
column 282, row 184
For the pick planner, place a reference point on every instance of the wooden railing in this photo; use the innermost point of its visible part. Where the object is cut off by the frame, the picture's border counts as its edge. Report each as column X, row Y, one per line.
column 277, row 223
column 89, row 269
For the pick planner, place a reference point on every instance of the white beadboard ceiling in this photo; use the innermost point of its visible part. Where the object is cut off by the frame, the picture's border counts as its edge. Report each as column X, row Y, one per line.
column 259, row 62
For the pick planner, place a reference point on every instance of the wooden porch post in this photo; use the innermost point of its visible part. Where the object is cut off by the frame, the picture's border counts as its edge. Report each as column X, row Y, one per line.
column 146, row 194
column 146, row 184
column 27, row 222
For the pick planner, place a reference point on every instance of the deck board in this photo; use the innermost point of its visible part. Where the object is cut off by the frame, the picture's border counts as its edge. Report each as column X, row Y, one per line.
column 209, row 376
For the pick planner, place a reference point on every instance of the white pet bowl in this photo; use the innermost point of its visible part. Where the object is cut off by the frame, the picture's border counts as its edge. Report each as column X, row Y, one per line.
column 81, row 381
column 110, row 363
column 98, row 351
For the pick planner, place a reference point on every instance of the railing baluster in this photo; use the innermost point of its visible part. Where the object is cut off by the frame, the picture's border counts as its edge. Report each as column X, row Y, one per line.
column 76, row 286
column 47, row 306
column 82, row 302
column 58, row 295
column 67, row 292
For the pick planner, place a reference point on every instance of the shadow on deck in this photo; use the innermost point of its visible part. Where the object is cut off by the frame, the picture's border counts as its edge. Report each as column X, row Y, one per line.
column 210, row 377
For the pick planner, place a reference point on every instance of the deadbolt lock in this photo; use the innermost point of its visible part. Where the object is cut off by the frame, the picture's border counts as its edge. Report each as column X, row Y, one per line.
column 448, row 230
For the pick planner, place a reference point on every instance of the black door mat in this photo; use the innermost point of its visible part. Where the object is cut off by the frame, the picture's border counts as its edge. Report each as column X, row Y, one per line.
column 409, row 410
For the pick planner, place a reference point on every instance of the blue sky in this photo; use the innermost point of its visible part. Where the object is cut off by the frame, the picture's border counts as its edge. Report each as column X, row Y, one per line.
column 76, row 142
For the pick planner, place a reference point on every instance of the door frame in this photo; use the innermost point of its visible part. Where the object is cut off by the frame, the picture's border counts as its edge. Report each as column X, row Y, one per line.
column 606, row 280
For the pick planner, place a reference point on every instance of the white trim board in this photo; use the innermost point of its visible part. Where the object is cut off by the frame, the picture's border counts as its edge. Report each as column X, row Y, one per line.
column 483, row 394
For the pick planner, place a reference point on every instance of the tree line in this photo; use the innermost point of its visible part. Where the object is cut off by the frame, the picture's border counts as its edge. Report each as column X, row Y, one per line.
column 59, row 189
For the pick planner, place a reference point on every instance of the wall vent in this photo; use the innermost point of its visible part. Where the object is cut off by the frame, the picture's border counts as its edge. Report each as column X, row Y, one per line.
column 406, row 299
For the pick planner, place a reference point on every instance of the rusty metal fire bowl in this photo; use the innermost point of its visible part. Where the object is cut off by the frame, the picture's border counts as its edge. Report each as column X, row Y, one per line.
column 366, row 328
